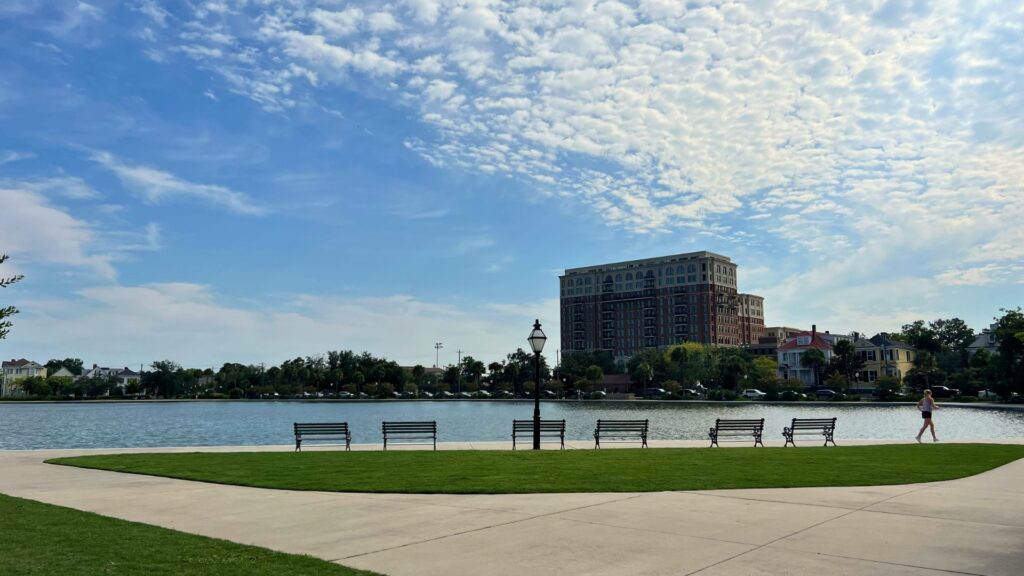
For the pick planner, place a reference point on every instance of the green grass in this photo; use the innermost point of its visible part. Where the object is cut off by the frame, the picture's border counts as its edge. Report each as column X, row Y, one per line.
column 627, row 470
column 40, row 539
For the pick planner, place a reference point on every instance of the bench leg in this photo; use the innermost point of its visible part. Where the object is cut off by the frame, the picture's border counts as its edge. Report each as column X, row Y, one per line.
column 828, row 438
column 789, row 440
column 597, row 442
column 513, row 442
column 298, row 445
column 348, row 443
column 563, row 442
column 757, row 441
column 644, row 438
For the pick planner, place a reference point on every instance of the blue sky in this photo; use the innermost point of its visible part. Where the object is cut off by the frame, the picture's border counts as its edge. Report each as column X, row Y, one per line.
column 249, row 181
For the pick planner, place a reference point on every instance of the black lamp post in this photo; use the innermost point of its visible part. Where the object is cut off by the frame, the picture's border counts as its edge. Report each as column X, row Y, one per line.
column 536, row 340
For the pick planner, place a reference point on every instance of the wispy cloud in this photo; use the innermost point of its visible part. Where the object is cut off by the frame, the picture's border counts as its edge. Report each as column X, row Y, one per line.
column 8, row 156
column 156, row 185
column 473, row 244
column 71, row 187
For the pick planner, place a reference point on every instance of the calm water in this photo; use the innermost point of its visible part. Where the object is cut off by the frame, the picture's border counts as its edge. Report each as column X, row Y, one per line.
column 105, row 425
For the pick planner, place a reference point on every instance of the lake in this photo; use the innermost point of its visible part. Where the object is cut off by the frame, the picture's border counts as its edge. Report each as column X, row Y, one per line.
column 241, row 423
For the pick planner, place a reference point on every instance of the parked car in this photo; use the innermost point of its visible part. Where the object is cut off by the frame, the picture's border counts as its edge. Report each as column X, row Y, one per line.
column 987, row 395
column 463, row 395
column 944, row 392
column 548, row 394
column 396, row 394
column 689, row 392
column 445, row 394
column 597, row 395
column 825, row 394
column 654, row 393
column 753, row 394
column 482, row 394
column 503, row 394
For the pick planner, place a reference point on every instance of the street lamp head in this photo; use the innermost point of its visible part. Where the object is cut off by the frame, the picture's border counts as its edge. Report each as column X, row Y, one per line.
column 537, row 338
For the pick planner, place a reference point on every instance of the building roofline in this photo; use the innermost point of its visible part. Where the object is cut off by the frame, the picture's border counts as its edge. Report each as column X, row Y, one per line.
column 644, row 262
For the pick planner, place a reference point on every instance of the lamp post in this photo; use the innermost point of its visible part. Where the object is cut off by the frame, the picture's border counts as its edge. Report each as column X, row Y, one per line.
column 536, row 340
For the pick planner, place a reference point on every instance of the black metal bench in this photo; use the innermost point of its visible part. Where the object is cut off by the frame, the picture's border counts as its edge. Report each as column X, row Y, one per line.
column 737, row 430
column 623, row 430
column 322, row 432
column 810, row 426
column 410, row 431
column 548, row 429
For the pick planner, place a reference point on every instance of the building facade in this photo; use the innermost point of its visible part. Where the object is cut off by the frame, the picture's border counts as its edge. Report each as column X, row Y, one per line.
column 790, row 356
column 626, row 307
column 985, row 341
column 15, row 370
column 882, row 356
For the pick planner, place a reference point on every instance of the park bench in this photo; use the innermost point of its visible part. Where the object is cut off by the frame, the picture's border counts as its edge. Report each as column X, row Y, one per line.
column 410, row 431
column 622, row 430
column 322, row 432
column 548, row 429
column 736, row 430
column 812, row 426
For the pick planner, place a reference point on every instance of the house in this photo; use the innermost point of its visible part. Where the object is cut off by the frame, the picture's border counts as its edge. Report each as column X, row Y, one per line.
column 62, row 372
column 790, row 355
column 985, row 341
column 15, row 370
column 124, row 376
column 883, row 356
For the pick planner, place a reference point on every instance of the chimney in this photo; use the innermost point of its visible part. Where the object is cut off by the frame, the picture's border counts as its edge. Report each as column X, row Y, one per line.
column 814, row 332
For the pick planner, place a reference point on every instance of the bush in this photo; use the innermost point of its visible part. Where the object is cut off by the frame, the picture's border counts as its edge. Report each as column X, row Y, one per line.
column 236, row 393
column 722, row 394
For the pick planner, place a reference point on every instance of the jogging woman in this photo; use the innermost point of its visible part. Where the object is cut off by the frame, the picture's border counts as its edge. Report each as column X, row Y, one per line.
column 927, row 405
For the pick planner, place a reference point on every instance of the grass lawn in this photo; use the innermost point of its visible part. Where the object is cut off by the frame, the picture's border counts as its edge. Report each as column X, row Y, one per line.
column 38, row 539
column 617, row 470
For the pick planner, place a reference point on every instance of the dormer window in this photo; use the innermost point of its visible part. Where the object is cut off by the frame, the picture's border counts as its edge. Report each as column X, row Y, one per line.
column 803, row 340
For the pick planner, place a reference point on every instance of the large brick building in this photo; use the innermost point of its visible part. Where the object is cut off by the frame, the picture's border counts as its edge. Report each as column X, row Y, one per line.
column 626, row 307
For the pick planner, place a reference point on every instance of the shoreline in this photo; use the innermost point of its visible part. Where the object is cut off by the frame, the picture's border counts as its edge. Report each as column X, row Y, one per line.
column 944, row 404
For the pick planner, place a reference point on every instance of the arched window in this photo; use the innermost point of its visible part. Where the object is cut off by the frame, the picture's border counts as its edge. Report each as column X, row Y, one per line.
column 618, row 277
column 679, row 269
column 629, row 275
column 650, row 274
column 588, row 280
column 693, row 268
column 608, row 279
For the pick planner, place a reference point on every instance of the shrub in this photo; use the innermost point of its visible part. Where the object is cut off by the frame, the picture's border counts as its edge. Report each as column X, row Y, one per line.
column 236, row 393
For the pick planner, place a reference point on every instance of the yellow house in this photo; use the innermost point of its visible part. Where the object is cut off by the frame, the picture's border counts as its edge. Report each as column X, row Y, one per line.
column 15, row 370
column 883, row 356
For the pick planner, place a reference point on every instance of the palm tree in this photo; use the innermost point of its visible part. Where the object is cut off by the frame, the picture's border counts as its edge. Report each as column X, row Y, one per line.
column 813, row 359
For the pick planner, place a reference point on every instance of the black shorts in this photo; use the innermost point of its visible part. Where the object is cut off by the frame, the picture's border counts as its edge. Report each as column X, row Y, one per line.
column 926, row 415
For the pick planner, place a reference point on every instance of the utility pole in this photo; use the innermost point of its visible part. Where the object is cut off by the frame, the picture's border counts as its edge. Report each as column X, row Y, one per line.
column 437, row 352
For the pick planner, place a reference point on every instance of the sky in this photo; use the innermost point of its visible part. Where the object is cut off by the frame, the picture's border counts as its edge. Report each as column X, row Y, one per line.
column 253, row 180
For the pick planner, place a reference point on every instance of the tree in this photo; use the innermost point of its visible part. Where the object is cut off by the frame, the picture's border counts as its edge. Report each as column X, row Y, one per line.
column 766, row 374
column 953, row 334
column 920, row 336
column 473, row 369
column 1009, row 332
column 846, row 362
column 8, row 311
column 642, row 372
column 594, row 375
column 888, row 388
column 417, row 374
column 815, row 360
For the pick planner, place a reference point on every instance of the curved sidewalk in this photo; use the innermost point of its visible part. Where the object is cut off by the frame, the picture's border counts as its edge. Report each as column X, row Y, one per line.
column 969, row 526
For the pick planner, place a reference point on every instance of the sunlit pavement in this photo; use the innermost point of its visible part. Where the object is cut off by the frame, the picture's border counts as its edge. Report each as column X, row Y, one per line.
column 969, row 526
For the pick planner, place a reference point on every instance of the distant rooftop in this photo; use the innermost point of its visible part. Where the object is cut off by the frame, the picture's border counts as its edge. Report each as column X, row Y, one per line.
column 644, row 262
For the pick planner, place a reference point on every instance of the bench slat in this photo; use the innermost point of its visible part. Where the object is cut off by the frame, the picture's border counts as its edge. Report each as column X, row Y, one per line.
column 548, row 429
column 410, row 430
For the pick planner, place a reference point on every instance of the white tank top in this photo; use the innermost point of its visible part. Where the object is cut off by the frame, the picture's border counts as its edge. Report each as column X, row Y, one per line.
column 927, row 404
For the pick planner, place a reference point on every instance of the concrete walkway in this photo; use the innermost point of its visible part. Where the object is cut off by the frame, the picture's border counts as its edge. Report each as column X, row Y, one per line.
column 968, row 526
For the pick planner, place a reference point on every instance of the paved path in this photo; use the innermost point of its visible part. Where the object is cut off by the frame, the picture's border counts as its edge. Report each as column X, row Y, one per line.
column 969, row 526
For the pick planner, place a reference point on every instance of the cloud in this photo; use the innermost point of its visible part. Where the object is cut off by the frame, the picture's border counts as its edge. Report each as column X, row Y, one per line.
column 37, row 232
column 71, row 187
column 8, row 156
column 473, row 244
column 157, row 185
column 150, row 321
